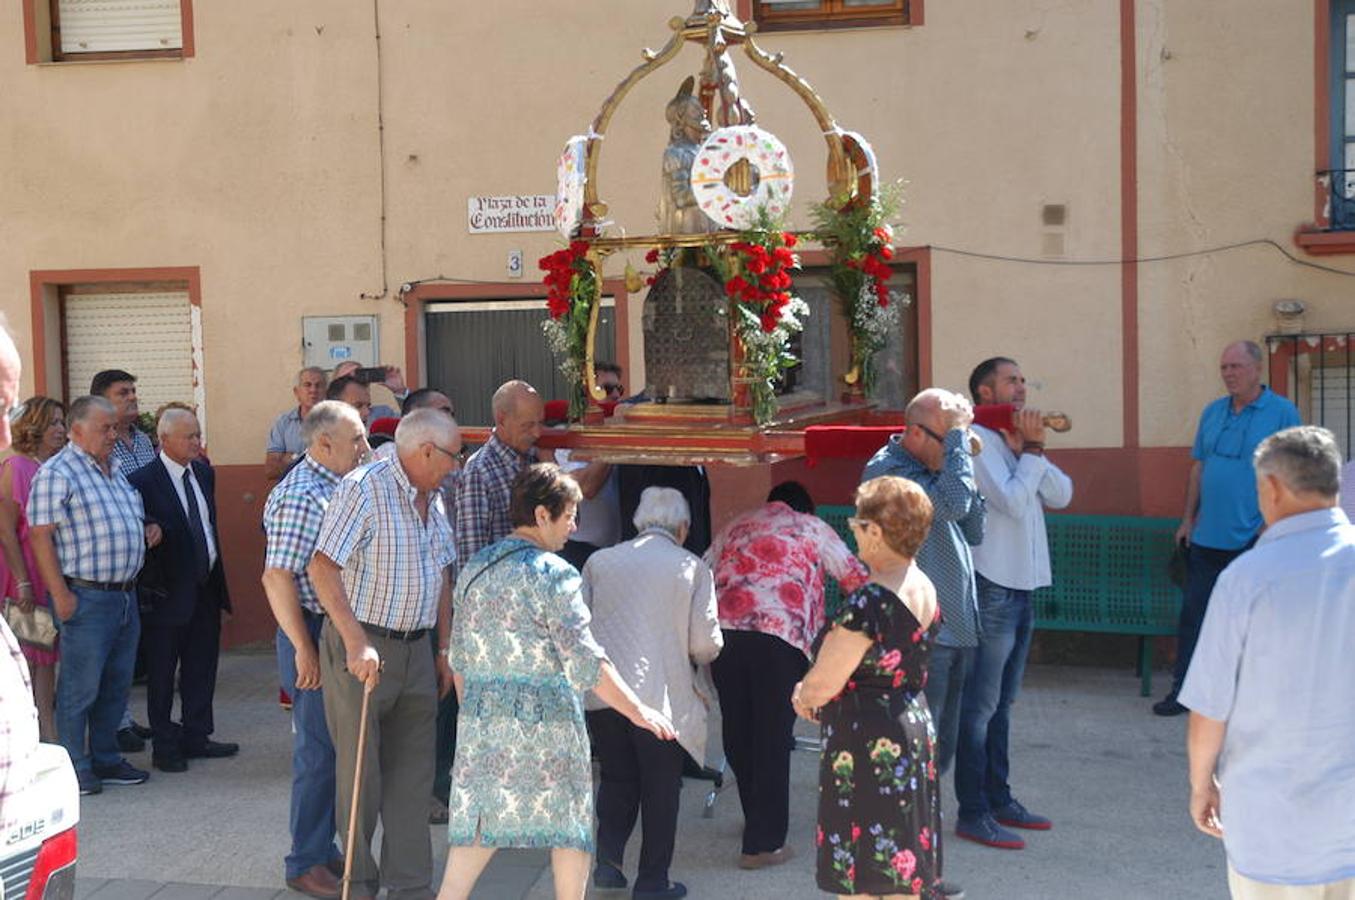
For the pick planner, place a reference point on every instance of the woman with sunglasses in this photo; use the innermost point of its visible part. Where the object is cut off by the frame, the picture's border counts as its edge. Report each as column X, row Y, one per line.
column 879, row 801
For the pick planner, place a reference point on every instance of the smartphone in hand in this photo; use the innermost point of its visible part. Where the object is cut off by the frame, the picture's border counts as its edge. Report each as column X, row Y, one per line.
column 370, row 375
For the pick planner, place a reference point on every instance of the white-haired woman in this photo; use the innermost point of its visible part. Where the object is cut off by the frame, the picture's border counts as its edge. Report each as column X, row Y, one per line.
column 655, row 636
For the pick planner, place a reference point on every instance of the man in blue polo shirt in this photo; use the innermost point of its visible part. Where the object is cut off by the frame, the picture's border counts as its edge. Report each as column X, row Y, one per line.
column 1221, row 518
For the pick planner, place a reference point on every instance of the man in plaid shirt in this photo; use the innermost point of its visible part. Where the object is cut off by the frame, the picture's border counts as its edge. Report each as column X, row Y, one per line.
column 486, row 482
column 380, row 570
column 335, row 443
column 90, row 538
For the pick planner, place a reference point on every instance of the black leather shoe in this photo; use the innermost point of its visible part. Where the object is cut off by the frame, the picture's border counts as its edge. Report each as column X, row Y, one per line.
column 211, row 750
column 607, row 877
column 140, row 731
column 1168, row 706
column 169, row 762
column 674, row 889
column 129, row 741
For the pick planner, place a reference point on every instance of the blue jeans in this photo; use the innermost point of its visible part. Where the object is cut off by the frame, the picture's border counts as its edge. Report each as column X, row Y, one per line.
column 946, row 675
column 1007, row 620
column 98, row 652
column 312, row 814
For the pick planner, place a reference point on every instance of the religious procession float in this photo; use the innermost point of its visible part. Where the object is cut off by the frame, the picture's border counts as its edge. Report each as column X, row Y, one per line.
column 721, row 313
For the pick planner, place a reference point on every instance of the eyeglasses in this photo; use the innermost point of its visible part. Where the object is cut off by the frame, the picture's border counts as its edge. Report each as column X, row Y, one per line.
column 455, row 457
column 614, row 389
column 927, row 431
column 1231, row 441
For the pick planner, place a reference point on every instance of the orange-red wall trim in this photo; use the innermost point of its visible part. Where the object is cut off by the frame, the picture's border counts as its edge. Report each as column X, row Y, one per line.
column 190, row 44
column 1129, row 224
column 921, row 258
column 30, row 33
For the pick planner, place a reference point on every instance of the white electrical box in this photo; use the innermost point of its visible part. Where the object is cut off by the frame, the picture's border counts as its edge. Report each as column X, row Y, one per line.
column 330, row 340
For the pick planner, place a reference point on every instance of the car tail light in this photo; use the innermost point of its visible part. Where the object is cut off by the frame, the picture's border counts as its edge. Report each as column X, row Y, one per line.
column 54, row 871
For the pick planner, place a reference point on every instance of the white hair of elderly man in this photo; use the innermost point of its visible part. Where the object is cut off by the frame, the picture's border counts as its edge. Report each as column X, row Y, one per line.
column 423, row 426
column 662, row 507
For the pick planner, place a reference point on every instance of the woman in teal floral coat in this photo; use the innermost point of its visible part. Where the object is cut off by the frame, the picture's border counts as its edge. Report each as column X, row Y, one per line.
column 879, row 805
column 523, row 657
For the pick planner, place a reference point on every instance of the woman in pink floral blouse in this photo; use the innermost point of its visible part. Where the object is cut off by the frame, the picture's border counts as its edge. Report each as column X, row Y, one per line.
column 769, row 568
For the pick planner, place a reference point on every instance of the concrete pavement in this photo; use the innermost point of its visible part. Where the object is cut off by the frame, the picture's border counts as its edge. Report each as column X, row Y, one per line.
column 1086, row 751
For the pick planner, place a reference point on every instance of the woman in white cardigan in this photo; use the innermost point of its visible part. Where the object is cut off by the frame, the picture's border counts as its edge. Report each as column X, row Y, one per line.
column 654, row 612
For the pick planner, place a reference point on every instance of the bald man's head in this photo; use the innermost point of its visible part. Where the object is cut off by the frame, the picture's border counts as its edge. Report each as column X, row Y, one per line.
column 518, row 414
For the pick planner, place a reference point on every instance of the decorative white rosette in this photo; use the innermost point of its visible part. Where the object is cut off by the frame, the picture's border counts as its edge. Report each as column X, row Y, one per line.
column 570, row 178
column 774, row 176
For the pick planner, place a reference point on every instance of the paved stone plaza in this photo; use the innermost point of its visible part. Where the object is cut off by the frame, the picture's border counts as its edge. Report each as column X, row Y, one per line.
column 1085, row 749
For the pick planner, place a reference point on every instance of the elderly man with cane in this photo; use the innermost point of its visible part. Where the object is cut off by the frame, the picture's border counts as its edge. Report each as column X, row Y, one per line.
column 380, row 571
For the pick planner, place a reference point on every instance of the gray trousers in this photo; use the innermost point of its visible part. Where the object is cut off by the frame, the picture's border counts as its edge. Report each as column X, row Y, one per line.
column 397, row 769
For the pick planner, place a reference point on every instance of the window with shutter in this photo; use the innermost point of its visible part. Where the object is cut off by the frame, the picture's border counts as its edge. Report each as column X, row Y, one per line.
column 772, row 15
column 93, row 29
column 149, row 334
column 475, row 346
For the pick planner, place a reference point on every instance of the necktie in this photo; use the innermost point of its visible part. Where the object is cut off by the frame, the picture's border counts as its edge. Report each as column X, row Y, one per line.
column 195, row 527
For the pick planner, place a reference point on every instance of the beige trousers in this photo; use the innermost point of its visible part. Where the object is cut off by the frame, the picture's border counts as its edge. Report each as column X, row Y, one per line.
column 397, row 769
column 1244, row 888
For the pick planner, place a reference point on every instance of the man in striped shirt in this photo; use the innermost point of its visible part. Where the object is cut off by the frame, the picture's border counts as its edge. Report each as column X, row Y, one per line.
column 334, row 442
column 380, row 572
column 90, row 539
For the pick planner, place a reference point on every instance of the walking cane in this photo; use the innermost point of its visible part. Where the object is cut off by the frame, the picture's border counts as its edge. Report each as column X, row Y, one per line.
column 357, row 786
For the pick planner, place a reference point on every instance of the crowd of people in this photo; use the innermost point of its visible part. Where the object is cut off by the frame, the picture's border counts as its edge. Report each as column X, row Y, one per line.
column 508, row 621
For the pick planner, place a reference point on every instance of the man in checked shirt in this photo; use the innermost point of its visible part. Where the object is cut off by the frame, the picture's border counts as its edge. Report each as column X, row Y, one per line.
column 486, row 482
column 90, row 539
column 380, row 570
column 335, row 443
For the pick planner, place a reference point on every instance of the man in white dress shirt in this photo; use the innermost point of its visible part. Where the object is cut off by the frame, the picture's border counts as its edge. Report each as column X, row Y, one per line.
column 183, row 587
column 1018, row 483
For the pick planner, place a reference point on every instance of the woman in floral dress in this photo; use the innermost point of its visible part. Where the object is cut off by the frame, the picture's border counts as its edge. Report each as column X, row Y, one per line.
column 879, row 803
column 523, row 656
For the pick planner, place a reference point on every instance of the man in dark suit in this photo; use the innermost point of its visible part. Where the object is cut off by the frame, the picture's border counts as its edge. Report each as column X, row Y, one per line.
column 184, row 586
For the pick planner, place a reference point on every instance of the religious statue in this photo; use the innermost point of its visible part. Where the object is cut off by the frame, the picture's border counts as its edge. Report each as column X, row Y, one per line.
column 704, row 7
column 678, row 209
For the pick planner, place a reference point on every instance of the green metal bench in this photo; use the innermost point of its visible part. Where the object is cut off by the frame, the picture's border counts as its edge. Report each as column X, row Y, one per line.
column 1110, row 576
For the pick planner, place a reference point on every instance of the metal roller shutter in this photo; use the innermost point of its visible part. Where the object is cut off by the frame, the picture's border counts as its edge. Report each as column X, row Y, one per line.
column 473, row 347
column 149, row 335
column 104, row 26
